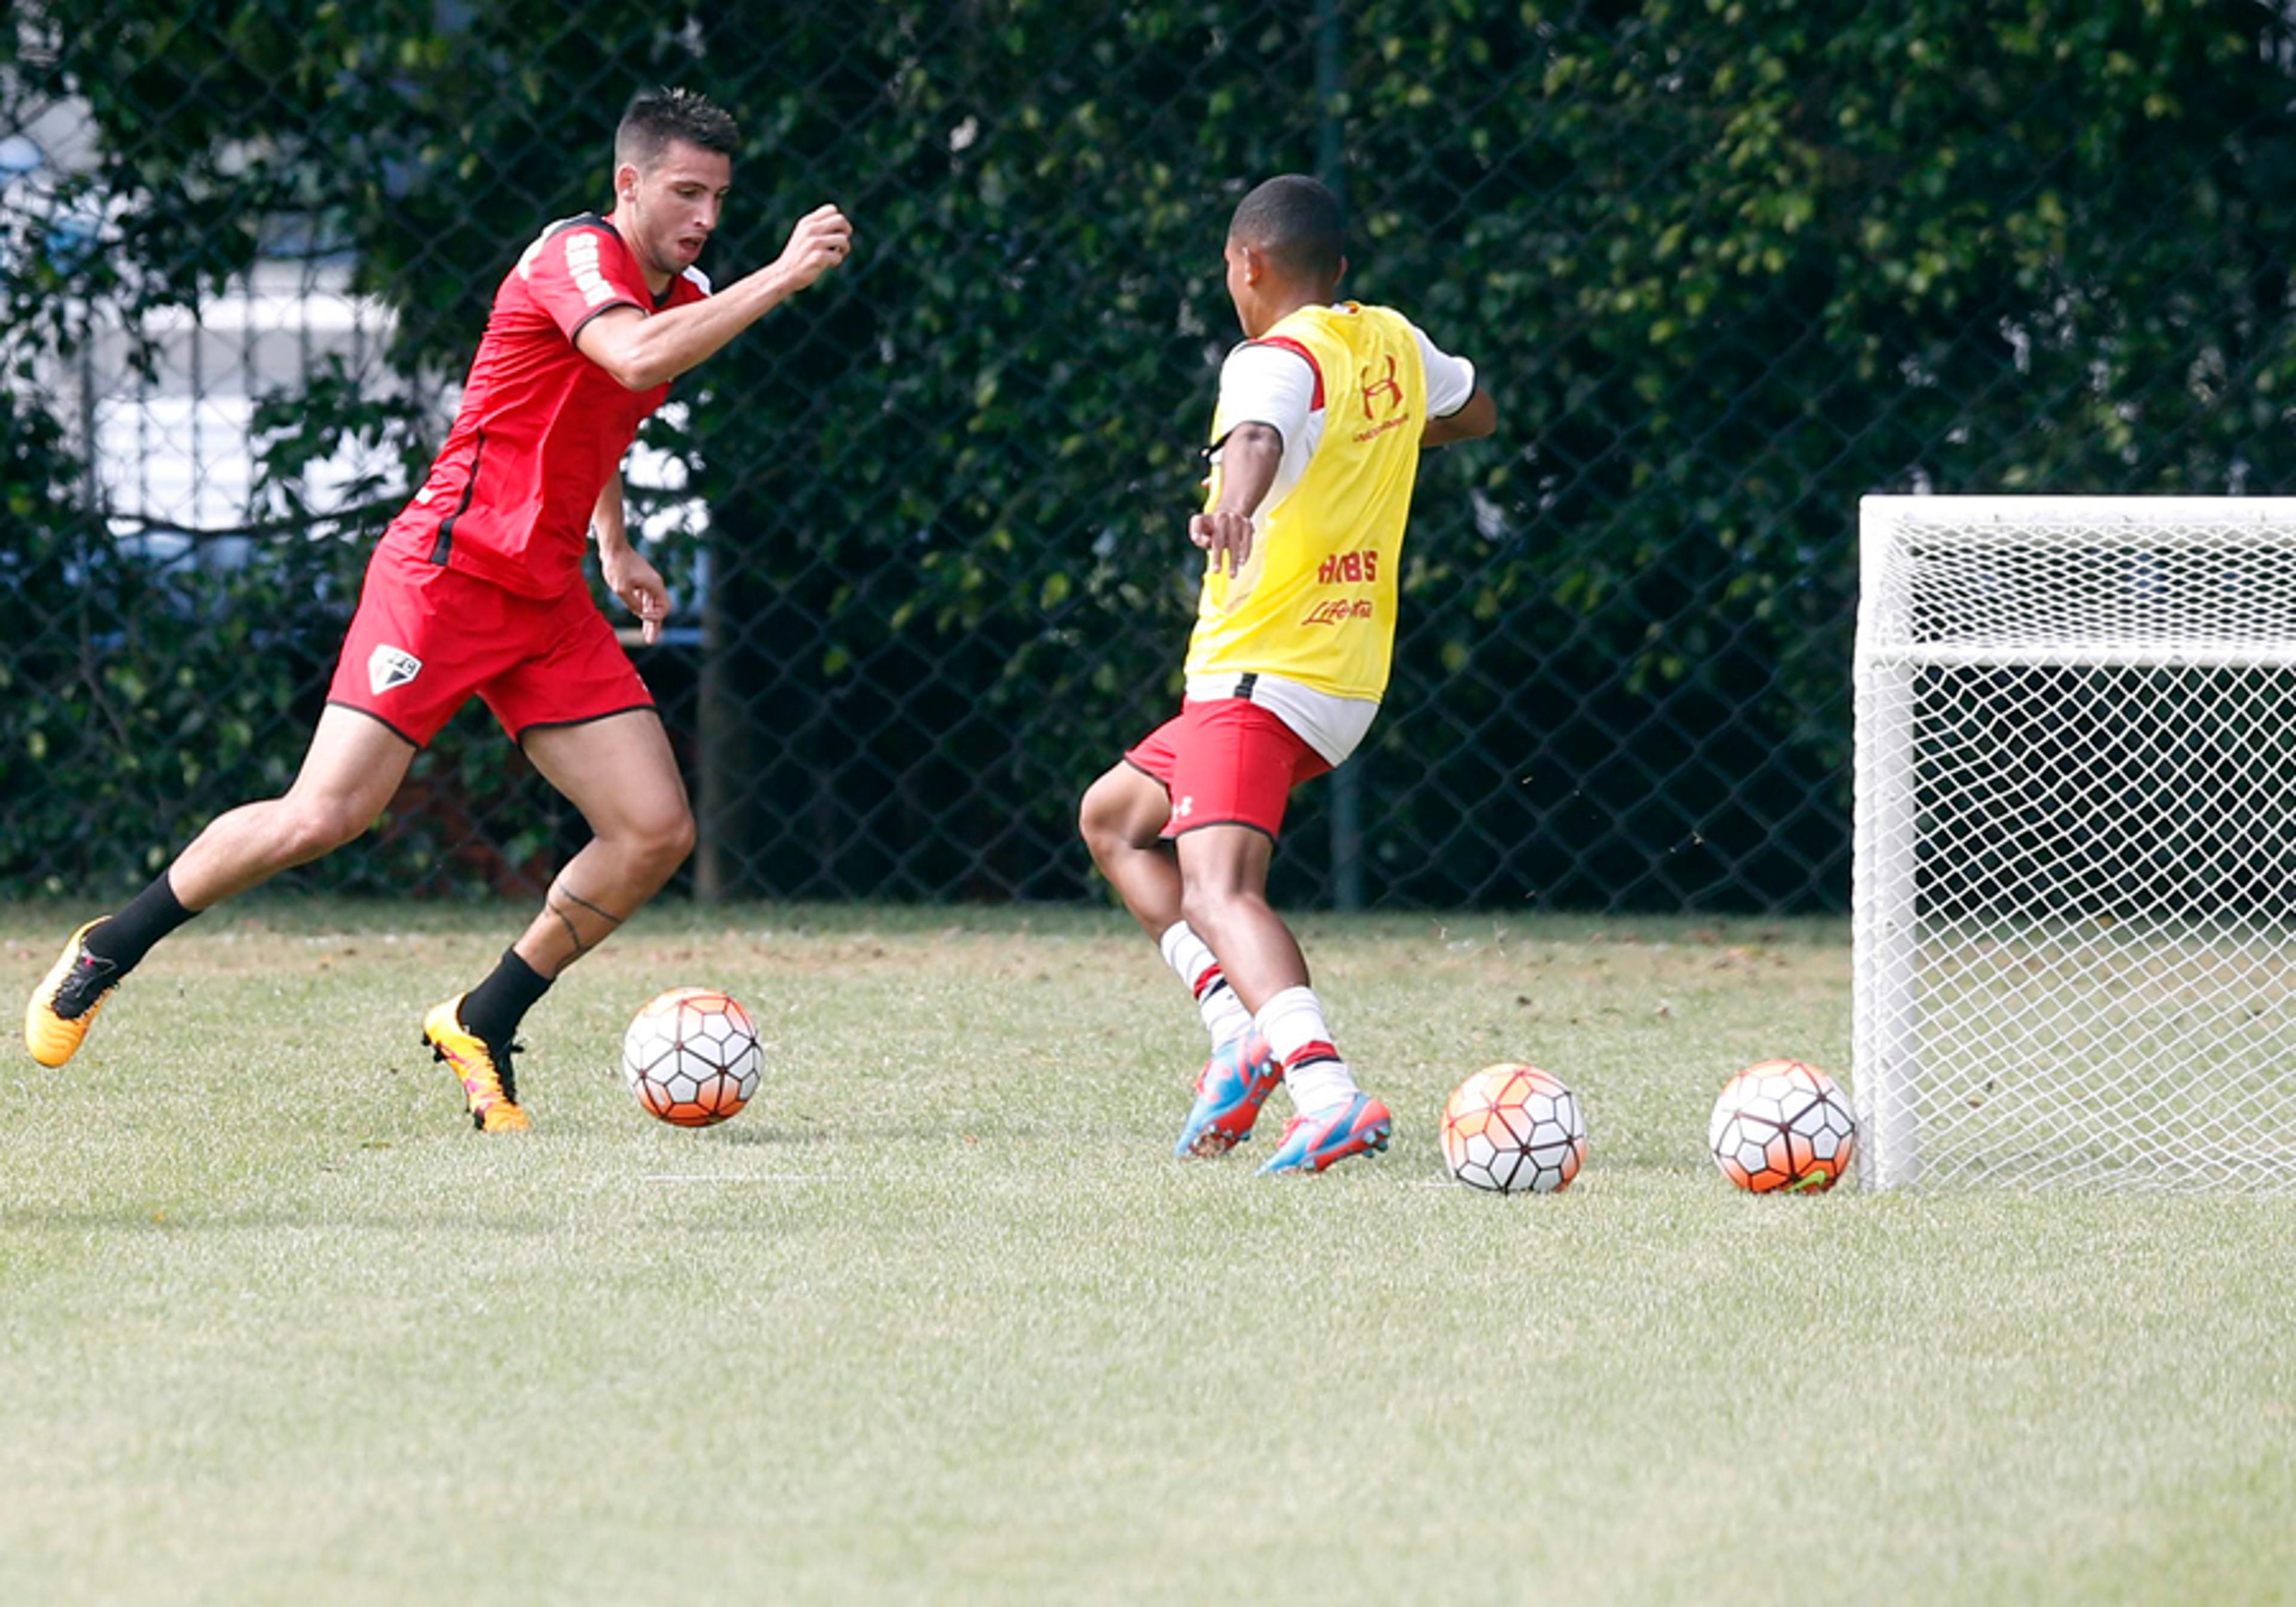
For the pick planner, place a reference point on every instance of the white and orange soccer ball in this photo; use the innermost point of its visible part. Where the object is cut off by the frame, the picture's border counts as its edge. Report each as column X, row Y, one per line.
column 1782, row 1126
column 691, row 1057
column 1514, row 1129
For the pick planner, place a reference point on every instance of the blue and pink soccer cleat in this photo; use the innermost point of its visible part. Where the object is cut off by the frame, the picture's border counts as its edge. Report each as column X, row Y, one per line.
column 1232, row 1086
column 1312, row 1142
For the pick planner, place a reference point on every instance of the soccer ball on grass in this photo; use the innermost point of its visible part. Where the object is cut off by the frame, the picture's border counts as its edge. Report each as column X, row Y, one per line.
column 1514, row 1129
column 691, row 1057
column 1782, row 1125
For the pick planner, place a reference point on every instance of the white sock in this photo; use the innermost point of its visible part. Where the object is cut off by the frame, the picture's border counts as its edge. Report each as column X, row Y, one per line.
column 1317, row 1079
column 1224, row 1016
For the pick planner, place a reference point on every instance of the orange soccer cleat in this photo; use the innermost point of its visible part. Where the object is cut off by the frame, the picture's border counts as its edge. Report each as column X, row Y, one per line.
column 64, row 1004
column 490, row 1087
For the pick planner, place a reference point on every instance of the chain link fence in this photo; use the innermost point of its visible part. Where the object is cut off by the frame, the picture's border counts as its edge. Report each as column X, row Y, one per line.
column 1724, row 269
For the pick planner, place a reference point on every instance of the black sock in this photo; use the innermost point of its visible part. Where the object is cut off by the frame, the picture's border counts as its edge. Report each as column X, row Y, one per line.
column 127, row 937
column 495, row 1007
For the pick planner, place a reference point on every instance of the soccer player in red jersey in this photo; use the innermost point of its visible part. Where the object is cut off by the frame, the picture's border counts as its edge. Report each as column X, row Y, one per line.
column 477, row 588
column 1323, row 412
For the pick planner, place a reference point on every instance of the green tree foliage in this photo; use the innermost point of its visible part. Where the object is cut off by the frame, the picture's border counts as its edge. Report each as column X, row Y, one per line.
column 1726, row 267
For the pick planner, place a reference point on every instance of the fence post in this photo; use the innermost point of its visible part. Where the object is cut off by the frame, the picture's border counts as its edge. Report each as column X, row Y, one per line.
column 1331, row 166
column 719, row 720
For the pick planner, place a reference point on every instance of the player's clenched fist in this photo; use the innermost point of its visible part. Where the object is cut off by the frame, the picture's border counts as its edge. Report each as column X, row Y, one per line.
column 822, row 238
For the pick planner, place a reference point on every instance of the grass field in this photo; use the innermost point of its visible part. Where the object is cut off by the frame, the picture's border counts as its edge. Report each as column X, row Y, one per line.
column 940, row 1318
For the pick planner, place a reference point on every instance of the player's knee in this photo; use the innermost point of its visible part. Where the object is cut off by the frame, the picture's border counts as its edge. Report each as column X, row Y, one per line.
column 1208, row 909
column 316, row 826
column 1110, row 817
column 1217, row 904
column 1096, row 805
column 1100, row 819
column 667, row 838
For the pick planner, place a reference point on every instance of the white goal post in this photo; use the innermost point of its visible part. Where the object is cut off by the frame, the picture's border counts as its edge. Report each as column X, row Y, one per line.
column 2074, row 906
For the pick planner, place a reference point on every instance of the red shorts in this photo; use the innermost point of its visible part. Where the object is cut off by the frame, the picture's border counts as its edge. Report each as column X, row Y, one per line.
column 1226, row 762
column 426, row 637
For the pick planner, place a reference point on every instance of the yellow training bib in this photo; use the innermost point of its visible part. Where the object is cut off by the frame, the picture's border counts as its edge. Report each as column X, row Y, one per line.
column 1315, row 604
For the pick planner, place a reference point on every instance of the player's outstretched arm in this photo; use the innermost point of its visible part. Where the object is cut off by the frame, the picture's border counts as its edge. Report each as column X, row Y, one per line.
column 641, row 352
column 1472, row 421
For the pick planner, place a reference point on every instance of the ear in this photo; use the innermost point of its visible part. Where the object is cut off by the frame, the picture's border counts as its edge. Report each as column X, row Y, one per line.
column 625, row 182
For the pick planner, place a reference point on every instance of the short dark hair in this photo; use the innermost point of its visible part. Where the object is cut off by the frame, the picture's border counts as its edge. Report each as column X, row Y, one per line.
column 656, row 117
column 1296, row 222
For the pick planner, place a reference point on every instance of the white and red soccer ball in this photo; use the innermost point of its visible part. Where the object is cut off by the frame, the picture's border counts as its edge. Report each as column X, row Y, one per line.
column 1514, row 1129
column 1782, row 1126
column 691, row 1057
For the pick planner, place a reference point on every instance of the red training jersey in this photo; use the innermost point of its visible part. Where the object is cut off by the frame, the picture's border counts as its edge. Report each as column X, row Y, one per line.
column 510, row 495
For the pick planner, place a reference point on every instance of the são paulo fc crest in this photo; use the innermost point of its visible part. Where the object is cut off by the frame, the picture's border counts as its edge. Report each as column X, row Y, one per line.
column 389, row 666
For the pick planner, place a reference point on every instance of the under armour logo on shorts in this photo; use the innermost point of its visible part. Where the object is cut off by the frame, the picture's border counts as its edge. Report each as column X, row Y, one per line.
column 389, row 666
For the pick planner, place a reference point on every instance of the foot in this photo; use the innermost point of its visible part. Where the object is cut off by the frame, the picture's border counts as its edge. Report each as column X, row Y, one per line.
column 1312, row 1142
column 489, row 1088
column 65, row 1003
column 1232, row 1086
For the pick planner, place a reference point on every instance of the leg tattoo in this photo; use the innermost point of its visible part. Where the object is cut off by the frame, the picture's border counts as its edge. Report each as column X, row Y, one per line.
column 559, row 890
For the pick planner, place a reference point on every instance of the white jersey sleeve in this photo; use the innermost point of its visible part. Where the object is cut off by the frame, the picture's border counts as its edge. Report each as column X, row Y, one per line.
column 1266, row 385
column 1273, row 386
column 1450, row 380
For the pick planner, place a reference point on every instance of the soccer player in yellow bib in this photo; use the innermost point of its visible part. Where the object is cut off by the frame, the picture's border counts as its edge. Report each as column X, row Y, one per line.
column 1323, row 412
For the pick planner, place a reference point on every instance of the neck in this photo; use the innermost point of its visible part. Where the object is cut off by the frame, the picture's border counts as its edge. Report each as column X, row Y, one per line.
column 1283, row 303
column 657, row 277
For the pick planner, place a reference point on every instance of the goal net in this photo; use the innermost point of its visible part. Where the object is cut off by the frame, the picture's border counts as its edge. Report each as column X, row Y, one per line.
column 2075, row 899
